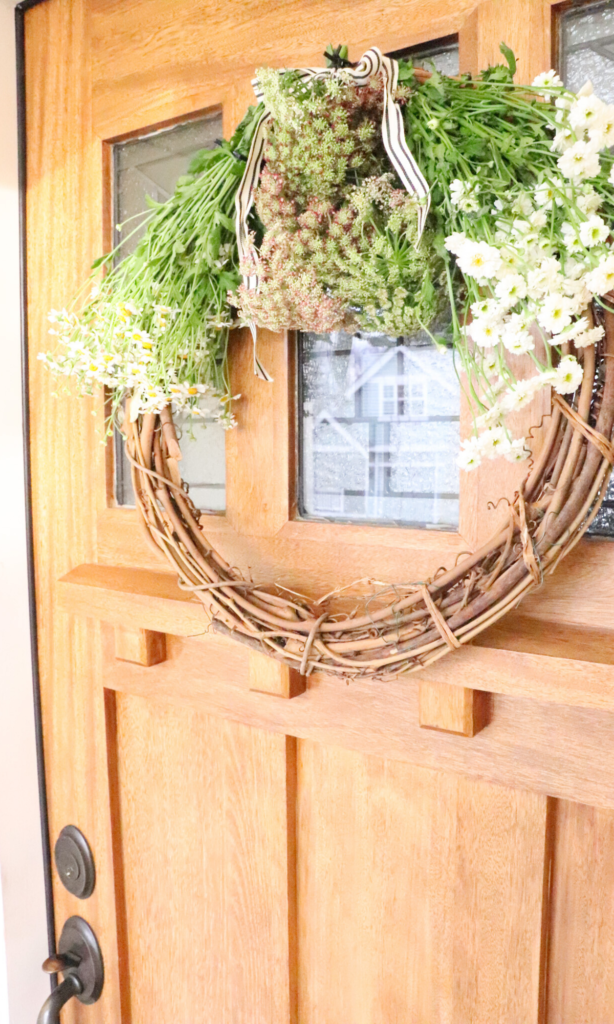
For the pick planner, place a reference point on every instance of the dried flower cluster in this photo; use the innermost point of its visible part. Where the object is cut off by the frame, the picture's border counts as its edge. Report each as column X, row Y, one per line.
column 339, row 232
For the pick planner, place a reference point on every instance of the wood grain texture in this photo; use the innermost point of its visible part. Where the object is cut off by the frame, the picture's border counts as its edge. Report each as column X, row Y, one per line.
column 420, row 894
column 215, row 44
column 514, row 664
column 269, row 676
column 204, row 821
column 581, row 954
column 258, row 451
column 142, row 646
column 451, row 708
column 559, row 751
column 64, row 182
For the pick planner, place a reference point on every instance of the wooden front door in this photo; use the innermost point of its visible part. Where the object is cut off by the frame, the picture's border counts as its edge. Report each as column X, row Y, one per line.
column 322, row 858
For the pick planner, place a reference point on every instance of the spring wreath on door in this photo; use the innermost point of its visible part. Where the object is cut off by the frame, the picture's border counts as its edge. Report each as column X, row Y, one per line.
column 370, row 196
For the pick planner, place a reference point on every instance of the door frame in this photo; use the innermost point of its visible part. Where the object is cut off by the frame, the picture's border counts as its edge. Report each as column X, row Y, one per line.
column 20, row 11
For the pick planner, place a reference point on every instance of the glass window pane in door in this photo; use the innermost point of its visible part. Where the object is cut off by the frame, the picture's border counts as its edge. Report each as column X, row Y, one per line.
column 441, row 53
column 150, row 166
column 379, row 430
column 379, row 416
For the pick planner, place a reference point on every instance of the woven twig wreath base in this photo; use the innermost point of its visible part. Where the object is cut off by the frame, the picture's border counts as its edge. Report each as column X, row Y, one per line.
column 557, row 502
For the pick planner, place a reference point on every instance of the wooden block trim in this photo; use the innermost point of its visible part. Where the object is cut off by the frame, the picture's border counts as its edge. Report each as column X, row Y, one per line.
column 145, row 599
column 269, row 676
column 450, row 708
column 141, row 646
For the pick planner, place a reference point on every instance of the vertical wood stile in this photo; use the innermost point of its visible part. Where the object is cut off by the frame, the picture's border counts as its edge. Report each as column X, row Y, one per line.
column 64, row 199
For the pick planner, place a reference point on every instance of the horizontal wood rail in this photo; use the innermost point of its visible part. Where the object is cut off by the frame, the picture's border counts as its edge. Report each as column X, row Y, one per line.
column 522, row 656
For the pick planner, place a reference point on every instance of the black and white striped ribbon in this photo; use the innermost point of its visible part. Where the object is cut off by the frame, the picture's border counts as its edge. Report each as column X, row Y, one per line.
column 393, row 134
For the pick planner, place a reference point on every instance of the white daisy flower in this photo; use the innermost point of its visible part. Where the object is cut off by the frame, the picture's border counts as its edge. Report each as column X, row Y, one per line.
column 518, row 342
column 456, row 242
column 485, row 333
column 520, row 394
column 479, row 260
column 547, row 80
column 589, row 202
column 469, row 456
column 568, row 376
column 517, row 451
column 487, row 309
column 593, row 231
column 571, row 239
column 586, row 112
column 590, row 337
column 490, row 418
column 511, row 289
column 523, row 204
column 601, row 279
column 555, row 313
column 563, row 140
column 579, row 161
column 493, row 442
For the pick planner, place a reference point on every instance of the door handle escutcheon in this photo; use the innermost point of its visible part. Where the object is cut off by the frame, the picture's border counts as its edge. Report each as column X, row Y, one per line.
column 80, row 960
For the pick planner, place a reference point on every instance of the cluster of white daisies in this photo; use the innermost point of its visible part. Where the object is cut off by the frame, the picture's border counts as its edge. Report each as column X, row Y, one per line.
column 538, row 259
column 129, row 360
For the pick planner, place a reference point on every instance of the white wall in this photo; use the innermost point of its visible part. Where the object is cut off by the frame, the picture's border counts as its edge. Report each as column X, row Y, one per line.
column 23, row 987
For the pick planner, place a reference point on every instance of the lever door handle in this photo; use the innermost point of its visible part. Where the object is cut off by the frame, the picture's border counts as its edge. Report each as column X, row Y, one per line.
column 50, row 1013
column 80, row 960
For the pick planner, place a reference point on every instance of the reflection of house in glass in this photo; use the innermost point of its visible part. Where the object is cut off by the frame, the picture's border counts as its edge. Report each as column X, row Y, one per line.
column 380, row 429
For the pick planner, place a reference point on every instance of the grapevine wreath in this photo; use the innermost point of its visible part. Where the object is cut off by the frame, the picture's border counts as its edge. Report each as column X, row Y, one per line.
column 369, row 197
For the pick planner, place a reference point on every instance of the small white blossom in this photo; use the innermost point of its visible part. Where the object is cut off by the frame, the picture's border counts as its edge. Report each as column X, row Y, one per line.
column 517, row 451
column 547, row 80
column 563, row 140
column 579, row 161
column 463, row 194
column 490, row 418
column 493, row 442
column 485, row 332
column 456, row 242
column 586, row 112
column 520, row 394
column 593, row 231
column 568, row 376
column 479, row 260
column 600, row 281
column 590, row 337
column 519, row 342
column 469, row 456
column 486, row 308
column 511, row 289
column 522, row 204
column 555, row 313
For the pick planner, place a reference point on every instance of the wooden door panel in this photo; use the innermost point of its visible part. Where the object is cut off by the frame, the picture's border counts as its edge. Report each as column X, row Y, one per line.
column 420, row 894
column 204, row 847
column 580, row 980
